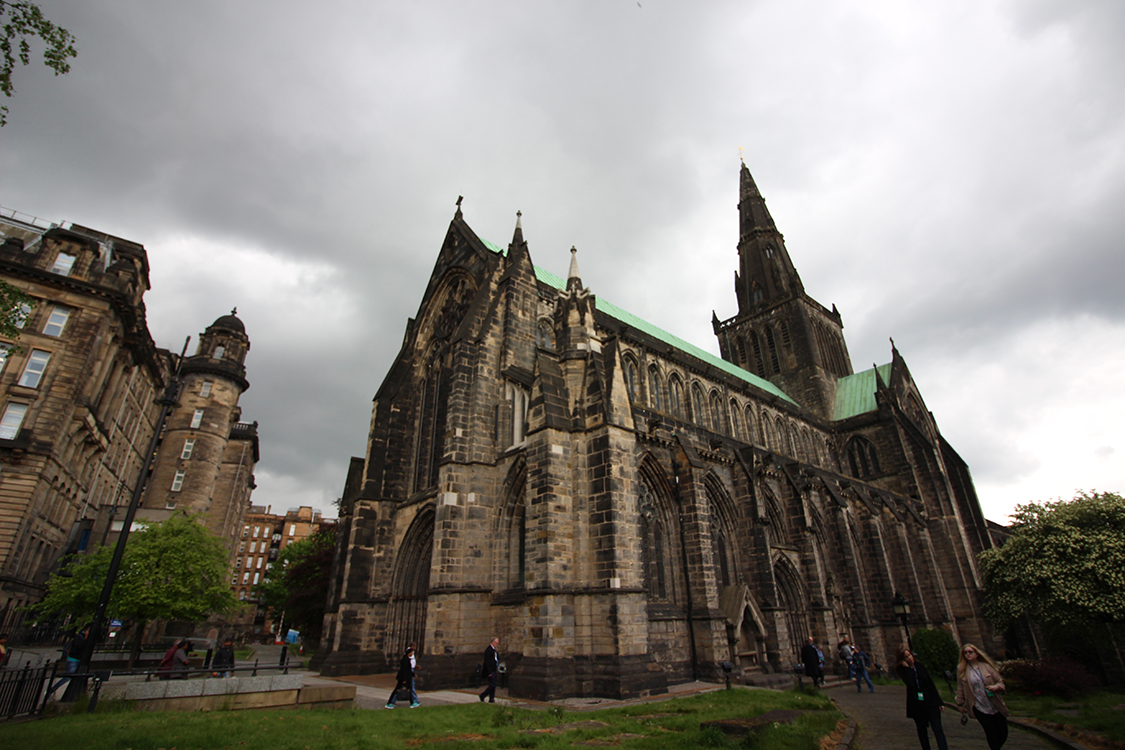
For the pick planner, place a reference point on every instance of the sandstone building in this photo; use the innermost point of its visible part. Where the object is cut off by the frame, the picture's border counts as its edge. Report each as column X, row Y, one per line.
column 78, row 407
column 626, row 510
column 264, row 536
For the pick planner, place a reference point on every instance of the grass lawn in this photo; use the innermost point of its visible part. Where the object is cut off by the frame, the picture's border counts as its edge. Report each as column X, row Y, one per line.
column 663, row 725
column 1100, row 712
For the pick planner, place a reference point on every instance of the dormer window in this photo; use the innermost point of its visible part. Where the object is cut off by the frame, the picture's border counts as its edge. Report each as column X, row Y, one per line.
column 64, row 262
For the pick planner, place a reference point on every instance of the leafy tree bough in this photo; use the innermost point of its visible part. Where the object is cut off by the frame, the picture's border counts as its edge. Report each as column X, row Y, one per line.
column 174, row 570
column 1064, row 568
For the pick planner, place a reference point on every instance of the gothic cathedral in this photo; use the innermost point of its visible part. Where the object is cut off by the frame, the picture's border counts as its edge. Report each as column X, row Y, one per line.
column 625, row 510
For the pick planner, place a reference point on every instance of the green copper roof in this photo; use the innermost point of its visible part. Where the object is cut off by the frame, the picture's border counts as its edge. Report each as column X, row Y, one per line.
column 632, row 320
column 855, row 394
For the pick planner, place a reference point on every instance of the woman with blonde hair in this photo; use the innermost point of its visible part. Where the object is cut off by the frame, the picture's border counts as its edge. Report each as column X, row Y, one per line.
column 923, row 701
column 979, row 687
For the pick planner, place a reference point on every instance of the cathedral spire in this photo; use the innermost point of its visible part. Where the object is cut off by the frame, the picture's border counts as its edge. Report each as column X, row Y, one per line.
column 517, row 236
column 574, row 277
column 766, row 274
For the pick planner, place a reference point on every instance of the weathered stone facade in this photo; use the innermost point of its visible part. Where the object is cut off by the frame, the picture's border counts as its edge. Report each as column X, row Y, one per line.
column 627, row 511
column 78, row 404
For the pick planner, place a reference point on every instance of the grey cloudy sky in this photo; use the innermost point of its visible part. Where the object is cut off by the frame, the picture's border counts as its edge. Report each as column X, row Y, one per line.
column 951, row 174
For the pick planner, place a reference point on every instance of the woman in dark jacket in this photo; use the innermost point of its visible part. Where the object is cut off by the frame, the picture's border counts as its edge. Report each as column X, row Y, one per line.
column 405, row 677
column 923, row 701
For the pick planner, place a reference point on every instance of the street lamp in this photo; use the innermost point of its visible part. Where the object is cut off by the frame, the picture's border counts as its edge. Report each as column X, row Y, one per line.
column 901, row 609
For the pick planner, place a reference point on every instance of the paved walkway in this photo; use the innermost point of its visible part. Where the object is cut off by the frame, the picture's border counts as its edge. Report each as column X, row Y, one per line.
column 883, row 724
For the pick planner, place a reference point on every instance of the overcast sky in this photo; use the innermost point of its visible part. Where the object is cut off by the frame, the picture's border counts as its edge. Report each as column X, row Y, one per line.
column 950, row 174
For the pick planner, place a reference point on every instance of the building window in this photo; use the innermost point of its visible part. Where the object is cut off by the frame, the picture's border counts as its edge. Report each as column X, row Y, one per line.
column 189, row 446
column 219, row 352
column 242, row 594
column 178, row 481
column 256, row 577
column 205, row 389
column 237, row 562
column 245, row 531
column 293, row 529
column 64, row 262
column 256, row 530
column 245, row 578
column 253, row 546
column 21, row 317
column 197, row 418
column 56, row 322
column 33, row 370
column 234, row 581
column 12, row 421
column 241, row 547
column 4, row 351
column 259, row 565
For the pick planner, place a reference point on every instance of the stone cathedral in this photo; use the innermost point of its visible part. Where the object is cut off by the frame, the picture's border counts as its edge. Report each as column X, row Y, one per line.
column 625, row 510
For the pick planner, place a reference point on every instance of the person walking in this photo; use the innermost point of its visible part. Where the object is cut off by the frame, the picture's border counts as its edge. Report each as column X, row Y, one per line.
column 923, row 701
column 168, row 660
column 72, row 652
column 406, row 666
column 979, row 687
column 860, row 662
column 813, row 659
column 489, row 669
column 180, row 661
column 846, row 651
column 223, row 662
column 4, row 653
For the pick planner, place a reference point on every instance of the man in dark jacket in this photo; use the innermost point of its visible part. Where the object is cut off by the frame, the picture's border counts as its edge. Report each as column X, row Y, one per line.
column 489, row 669
column 223, row 662
column 814, row 662
column 405, row 677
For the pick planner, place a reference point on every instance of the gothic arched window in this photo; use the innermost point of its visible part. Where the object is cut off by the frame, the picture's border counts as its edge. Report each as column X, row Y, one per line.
column 655, row 389
column 862, row 458
column 676, row 396
column 631, row 379
column 700, row 414
column 756, row 347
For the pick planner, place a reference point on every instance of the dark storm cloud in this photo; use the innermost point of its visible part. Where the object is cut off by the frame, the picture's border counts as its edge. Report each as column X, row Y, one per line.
column 950, row 175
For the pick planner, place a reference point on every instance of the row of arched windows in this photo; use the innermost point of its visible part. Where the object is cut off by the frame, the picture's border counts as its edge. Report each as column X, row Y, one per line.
column 692, row 402
column 761, row 351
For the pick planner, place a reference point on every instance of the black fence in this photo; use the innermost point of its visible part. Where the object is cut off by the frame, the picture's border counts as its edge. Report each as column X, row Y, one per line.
column 21, row 690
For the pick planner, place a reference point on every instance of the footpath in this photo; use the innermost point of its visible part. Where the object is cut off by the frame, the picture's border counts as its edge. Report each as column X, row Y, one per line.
column 883, row 724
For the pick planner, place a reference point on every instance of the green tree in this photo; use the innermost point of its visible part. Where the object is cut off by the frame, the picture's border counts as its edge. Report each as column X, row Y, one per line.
column 24, row 21
column 936, row 649
column 14, row 308
column 296, row 587
column 174, row 570
column 1064, row 565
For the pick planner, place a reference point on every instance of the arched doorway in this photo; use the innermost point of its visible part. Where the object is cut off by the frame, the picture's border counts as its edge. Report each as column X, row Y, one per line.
column 410, row 587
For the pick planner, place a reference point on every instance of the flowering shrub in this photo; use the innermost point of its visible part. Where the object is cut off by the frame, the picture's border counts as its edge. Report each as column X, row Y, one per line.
column 1053, row 675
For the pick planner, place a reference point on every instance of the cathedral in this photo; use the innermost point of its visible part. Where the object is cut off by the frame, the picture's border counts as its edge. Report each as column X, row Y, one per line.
column 627, row 511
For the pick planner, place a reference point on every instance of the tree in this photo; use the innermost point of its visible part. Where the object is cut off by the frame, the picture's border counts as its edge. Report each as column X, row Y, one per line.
column 25, row 20
column 1064, row 569
column 174, row 570
column 14, row 308
column 296, row 587
column 1064, row 565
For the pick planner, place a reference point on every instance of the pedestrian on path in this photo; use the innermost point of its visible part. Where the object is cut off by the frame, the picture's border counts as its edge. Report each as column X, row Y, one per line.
column 489, row 669
column 406, row 666
column 979, row 687
column 923, row 701
column 860, row 662
column 223, row 662
column 72, row 652
column 813, row 659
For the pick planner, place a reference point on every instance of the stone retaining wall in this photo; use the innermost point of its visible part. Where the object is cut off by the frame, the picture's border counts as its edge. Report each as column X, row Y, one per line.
column 230, row 694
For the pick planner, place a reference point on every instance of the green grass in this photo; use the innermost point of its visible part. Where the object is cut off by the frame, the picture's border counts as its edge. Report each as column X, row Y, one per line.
column 662, row 725
column 1098, row 712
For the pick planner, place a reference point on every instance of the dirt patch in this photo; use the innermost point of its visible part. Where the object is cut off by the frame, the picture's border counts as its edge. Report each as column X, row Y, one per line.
column 563, row 728
column 743, row 727
column 453, row 738
column 829, row 741
column 612, row 741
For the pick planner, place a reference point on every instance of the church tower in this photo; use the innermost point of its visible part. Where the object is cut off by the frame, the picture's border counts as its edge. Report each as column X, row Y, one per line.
column 205, row 462
column 780, row 333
